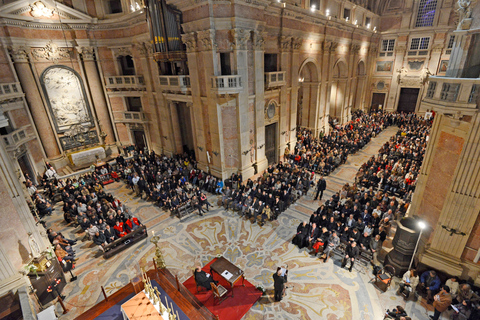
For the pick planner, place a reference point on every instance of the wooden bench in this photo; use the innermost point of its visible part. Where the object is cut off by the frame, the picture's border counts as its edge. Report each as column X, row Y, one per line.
column 185, row 210
column 125, row 242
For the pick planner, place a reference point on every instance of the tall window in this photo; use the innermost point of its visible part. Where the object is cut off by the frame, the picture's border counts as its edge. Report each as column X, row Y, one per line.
column 426, row 13
column 387, row 48
column 420, row 43
column 346, row 14
column 114, row 6
column 450, row 42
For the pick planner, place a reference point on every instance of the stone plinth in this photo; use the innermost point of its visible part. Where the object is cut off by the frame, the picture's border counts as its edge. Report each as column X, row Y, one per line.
column 403, row 245
column 87, row 156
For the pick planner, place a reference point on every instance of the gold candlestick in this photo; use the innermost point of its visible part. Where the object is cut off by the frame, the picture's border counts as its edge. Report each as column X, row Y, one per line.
column 159, row 260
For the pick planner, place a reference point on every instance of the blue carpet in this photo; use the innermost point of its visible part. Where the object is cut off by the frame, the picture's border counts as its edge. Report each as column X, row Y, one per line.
column 115, row 312
column 176, row 309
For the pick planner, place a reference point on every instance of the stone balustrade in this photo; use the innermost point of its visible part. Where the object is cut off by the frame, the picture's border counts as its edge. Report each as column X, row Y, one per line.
column 133, row 117
column 175, row 83
column 227, row 84
column 16, row 138
column 125, row 82
column 444, row 93
column 275, row 79
column 10, row 90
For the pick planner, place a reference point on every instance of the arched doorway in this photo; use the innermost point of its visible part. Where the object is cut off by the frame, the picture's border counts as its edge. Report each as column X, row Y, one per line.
column 358, row 100
column 308, row 95
column 338, row 92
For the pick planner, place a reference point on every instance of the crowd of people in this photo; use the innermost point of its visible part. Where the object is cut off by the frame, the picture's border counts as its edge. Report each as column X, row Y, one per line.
column 325, row 153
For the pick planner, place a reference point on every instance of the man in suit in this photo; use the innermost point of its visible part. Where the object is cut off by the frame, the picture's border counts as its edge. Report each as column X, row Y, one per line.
column 321, row 186
column 351, row 254
column 203, row 279
column 279, row 283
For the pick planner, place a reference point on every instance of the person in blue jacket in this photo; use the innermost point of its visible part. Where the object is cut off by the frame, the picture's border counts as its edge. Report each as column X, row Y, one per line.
column 429, row 284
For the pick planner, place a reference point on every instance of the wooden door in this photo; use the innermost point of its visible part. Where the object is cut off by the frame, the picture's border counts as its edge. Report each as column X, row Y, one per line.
column 408, row 99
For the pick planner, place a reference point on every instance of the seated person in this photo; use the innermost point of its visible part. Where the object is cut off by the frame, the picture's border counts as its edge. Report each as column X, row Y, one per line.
column 132, row 224
column 462, row 310
column 429, row 285
column 409, row 283
column 397, row 313
column 203, row 279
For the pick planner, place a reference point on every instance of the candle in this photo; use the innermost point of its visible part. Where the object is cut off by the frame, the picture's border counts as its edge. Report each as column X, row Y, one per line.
column 153, row 233
column 178, row 318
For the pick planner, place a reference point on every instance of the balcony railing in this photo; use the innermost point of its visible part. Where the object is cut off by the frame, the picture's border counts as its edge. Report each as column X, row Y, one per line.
column 16, row 138
column 125, row 82
column 10, row 90
column 227, row 84
column 175, row 83
column 132, row 117
column 275, row 79
column 459, row 93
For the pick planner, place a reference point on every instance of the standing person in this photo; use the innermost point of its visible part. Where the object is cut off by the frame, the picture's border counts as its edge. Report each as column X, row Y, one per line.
column 442, row 300
column 321, row 186
column 279, row 279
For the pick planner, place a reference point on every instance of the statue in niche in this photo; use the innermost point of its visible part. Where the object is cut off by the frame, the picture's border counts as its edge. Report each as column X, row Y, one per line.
column 65, row 94
column 34, row 248
column 464, row 14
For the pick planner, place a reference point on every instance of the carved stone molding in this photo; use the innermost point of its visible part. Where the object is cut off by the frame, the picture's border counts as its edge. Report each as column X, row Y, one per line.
column 51, row 52
column 437, row 48
column 206, row 40
column 373, row 50
column 39, row 9
column 240, row 38
column 297, row 43
column 189, row 40
column 285, row 42
column 401, row 48
column 122, row 51
column 330, row 46
column 19, row 53
column 259, row 40
column 143, row 48
column 355, row 48
column 87, row 53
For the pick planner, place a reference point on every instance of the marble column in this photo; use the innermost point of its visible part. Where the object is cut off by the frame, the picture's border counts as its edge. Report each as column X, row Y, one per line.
column 150, row 107
column 240, row 38
column 35, row 101
column 294, row 63
column 259, row 109
column 96, row 91
column 459, row 53
column 391, row 103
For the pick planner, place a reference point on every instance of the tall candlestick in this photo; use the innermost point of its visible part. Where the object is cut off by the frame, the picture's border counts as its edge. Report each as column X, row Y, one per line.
column 153, row 233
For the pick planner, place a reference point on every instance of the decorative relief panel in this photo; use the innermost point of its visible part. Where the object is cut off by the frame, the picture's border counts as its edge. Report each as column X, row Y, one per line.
column 66, row 98
column 51, row 52
column 271, row 112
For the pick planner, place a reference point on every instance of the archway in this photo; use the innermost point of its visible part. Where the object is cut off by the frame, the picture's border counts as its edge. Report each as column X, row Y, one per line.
column 338, row 92
column 308, row 95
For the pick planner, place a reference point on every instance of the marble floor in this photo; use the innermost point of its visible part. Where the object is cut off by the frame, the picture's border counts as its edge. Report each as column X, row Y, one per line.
column 317, row 290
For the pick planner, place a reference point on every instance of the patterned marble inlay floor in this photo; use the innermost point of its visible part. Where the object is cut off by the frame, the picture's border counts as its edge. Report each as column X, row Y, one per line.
column 317, row 290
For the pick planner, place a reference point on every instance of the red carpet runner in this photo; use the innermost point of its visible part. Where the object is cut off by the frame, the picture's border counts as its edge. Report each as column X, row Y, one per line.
column 230, row 308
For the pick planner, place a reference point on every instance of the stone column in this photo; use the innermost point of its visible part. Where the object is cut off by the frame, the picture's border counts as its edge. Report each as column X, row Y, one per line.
column 205, row 112
column 391, row 102
column 35, row 101
column 177, row 136
column 328, row 60
column 96, row 91
column 291, row 59
column 459, row 54
column 369, row 70
column 259, row 110
column 150, row 76
column 240, row 38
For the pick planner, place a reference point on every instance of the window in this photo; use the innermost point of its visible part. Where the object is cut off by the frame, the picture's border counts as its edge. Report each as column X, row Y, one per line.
column 114, row 6
column 367, row 22
column 450, row 42
column 419, row 43
column 270, row 62
column 134, row 104
column 127, row 68
column 431, row 89
column 426, row 13
column 346, row 14
column 315, row 4
column 387, row 48
column 449, row 91
column 225, row 65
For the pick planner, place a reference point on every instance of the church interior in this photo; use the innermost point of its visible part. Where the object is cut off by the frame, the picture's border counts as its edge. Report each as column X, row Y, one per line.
column 233, row 85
